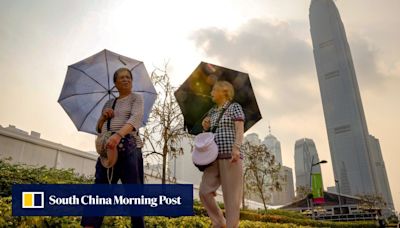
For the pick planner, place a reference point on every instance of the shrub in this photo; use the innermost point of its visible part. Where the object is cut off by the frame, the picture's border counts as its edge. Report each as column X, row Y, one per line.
column 253, row 224
column 253, row 216
column 23, row 174
column 286, row 213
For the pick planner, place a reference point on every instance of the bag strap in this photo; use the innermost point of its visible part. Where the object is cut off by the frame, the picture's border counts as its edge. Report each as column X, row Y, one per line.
column 214, row 128
column 109, row 119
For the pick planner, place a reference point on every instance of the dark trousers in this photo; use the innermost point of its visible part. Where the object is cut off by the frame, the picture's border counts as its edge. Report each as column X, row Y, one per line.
column 129, row 168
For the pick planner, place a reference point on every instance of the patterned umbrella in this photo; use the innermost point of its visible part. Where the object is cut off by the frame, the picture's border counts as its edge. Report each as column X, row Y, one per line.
column 194, row 97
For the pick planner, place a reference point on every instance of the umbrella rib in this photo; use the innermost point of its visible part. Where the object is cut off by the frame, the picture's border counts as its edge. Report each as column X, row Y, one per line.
column 142, row 91
column 83, row 72
column 94, row 106
column 139, row 91
column 108, row 73
column 77, row 94
column 136, row 66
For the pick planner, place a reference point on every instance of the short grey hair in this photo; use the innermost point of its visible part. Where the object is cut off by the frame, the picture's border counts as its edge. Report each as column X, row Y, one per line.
column 227, row 88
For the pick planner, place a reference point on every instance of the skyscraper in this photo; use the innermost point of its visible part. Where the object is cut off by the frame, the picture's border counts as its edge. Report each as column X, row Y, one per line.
column 379, row 170
column 353, row 157
column 252, row 138
column 274, row 146
column 305, row 154
column 286, row 194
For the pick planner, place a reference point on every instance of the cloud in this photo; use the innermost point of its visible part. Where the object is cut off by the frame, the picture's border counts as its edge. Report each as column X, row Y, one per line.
column 280, row 65
column 372, row 73
column 273, row 45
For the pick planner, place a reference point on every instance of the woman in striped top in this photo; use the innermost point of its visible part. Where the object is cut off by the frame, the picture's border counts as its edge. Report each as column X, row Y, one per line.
column 125, row 120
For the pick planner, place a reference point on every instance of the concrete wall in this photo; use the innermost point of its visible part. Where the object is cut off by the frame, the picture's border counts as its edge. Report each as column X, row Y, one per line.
column 30, row 149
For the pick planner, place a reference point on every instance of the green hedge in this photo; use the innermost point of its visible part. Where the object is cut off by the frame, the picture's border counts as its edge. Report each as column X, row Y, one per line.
column 288, row 217
column 7, row 220
column 23, row 174
column 280, row 212
column 252, row 216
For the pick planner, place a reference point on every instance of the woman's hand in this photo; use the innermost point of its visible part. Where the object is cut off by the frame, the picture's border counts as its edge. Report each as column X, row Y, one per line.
column 107, row 113
column 235, row 154
column 113, row 141
column 206, row 123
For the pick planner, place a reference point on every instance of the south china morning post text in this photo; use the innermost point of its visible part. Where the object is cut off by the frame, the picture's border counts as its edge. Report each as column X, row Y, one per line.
column 116, row 200
column 102, row 200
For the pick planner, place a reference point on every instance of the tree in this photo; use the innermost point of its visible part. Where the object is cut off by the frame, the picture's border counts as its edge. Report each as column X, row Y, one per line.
column 261, row 173
column 372, row 202
column 165, row 130
column 302, row 192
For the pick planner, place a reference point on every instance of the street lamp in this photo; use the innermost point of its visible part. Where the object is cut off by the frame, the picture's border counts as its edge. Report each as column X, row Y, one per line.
column 321, row 162
column 340, row 201
column 312, row 165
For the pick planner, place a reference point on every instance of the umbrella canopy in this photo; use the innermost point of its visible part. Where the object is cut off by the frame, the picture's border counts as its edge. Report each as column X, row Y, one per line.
column 195, row 100
column 89, row 85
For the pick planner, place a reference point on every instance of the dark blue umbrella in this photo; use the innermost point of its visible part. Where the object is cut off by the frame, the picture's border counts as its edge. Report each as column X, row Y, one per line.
column 194, row 96
column 89, row 85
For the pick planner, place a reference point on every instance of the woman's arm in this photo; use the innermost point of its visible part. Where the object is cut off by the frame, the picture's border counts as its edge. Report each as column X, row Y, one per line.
column 106, row 113
column 135, row 120
column 239, row 131
column 132, row 124
column 126, row 129
column 238, row 117
column 100, row 123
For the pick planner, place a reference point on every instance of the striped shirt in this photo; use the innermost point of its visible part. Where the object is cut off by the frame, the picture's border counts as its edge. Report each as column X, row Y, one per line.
column 128, row 110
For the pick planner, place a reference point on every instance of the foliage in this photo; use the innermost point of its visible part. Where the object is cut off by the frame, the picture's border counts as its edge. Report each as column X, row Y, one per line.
column 269, row 218
column 27, row 174
column 372, row 201
column 302, row 192
column 393, row 219
column 252, row 224
column 23, row 174
column 261, row 173
column 286, row 213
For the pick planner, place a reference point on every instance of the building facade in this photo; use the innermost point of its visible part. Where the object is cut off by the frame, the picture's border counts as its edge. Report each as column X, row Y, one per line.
column 356, row 157
column 286, row 194
column 305, row 154
column 274, row 146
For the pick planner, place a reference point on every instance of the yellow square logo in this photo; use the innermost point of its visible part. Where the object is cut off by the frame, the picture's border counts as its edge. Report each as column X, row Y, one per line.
column 32, row 199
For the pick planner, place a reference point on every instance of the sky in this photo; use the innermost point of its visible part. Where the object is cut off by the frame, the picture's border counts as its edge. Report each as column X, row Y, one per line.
column 268, row 39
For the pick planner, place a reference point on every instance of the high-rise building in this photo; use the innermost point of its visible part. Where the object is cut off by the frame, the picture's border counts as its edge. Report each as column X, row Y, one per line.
column 286, row 194
column 274, row 146
column 305, row 154
column 379, row 170
column 252, row 138
column 331, row 189
column 353, row 153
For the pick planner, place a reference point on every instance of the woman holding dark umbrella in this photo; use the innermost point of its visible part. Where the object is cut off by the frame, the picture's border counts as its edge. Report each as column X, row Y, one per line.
column 124, row 114
column 227, row 170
